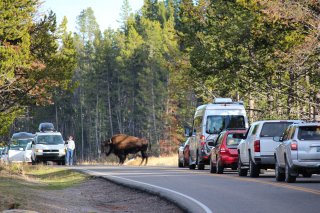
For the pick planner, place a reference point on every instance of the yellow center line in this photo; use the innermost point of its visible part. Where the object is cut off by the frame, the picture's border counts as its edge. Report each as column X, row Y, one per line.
column 282, row 185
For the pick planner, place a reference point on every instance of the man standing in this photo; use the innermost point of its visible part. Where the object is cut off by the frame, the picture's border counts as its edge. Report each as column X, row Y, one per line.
column 70, row 149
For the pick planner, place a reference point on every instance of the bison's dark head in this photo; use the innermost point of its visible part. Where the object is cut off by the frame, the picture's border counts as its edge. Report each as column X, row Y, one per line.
column 107, row 147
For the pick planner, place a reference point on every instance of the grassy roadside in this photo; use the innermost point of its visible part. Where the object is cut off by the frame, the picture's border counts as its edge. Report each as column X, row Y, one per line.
column 18, row 182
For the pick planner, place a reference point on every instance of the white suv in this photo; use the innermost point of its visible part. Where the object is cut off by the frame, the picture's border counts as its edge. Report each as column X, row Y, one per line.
column 256, row 151
column 48, row 146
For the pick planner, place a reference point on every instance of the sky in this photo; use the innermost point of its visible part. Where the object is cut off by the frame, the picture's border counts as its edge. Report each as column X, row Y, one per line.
column 107, row 12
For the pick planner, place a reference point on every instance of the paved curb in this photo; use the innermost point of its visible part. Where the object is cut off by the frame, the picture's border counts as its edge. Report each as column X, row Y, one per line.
column 183, row 203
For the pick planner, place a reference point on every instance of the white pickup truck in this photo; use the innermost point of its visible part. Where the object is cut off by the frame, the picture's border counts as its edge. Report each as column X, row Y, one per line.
column 256, row 150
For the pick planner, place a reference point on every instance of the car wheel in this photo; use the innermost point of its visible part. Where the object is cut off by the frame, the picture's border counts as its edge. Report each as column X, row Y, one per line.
column 219, row 167
column 280, row 176
column 241, row 172
column 180, row 164
column 212, row 167
column 200, row 166
column 306, row 175
column 191, row 166
column 253, row 169
column 289, row 178
column 33, row 162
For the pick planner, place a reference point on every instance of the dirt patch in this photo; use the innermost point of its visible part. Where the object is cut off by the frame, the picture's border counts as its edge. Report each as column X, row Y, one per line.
column 94, row 195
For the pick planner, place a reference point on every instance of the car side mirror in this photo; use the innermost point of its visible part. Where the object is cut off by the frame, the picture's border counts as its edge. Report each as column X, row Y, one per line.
column 33, row 142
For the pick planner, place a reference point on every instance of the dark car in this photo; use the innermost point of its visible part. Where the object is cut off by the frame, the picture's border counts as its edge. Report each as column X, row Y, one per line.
column 224, row 154
column 183, row 154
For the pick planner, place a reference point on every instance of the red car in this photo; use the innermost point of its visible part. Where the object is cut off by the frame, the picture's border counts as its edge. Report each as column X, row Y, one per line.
column 224, row 154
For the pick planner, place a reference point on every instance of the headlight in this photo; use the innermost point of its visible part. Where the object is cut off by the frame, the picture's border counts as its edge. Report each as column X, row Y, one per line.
column 39, row 150
column 62, row 151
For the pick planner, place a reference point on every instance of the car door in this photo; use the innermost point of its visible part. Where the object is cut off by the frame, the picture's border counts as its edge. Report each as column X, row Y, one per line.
column 309, row 143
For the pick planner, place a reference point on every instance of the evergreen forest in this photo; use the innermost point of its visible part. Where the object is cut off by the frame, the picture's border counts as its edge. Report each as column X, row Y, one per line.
column 147, row 77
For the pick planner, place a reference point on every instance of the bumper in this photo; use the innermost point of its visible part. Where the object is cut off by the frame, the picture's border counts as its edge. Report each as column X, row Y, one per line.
column 306, row 165
column 50, row 157
column 265, row 161
column 204, row 158
column 229, row 161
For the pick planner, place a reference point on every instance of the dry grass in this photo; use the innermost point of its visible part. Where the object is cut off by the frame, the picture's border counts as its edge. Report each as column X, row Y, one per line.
column 171, row 160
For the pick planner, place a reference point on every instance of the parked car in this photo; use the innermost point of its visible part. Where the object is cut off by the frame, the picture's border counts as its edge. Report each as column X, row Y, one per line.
column 48, row 146
column 27, row 153
column 4, row 155
column 183, row 154
column 17, row 146
column 256, row 151
column 209, row 121
column 298, row 152
column 224, row 154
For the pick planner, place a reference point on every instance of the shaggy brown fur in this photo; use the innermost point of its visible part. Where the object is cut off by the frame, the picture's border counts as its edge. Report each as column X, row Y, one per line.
column 122, row 145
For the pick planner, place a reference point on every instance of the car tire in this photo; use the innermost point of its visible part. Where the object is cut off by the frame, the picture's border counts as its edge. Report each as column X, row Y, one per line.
column 219, row 167
column 241, row 172
column 200, row 166
column 289, row 178
column 280, row 176
column 33, row 162
column 212, row 167
column 307, row 175
column 254, row 170
column 180, row 164
column 191, row 166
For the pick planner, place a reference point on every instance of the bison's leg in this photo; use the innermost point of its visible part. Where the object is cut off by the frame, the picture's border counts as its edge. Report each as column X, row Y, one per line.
column 121, row 159
column 144, row 155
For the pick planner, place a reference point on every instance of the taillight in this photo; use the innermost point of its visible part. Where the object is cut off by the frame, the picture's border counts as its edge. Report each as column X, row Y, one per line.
column 294, row 145
column 257, row 146
column 202, row 140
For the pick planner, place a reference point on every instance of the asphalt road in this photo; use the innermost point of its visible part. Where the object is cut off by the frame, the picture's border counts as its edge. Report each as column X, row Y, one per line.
column 226, row 193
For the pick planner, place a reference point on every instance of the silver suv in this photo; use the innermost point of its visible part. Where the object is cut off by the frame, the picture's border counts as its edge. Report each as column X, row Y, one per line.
column 298, row 152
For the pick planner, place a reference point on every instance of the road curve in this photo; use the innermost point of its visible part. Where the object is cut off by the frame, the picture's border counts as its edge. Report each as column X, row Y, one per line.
column 199, row 191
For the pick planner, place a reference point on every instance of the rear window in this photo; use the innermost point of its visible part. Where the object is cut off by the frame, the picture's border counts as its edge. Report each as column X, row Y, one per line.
column 234, row 139
column 273, row 129
column 309, row 133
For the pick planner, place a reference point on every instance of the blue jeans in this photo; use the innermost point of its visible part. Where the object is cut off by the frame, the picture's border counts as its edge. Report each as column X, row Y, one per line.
column 69, row 157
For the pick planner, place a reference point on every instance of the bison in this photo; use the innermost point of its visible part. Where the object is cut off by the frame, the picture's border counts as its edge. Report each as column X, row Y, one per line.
column 122, row 145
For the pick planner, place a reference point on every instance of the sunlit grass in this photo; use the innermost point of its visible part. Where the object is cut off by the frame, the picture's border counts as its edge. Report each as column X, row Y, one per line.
column 171, row 160
column 54, row 177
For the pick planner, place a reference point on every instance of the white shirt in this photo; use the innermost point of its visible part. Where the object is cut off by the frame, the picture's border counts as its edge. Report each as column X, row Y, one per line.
column 71, row 145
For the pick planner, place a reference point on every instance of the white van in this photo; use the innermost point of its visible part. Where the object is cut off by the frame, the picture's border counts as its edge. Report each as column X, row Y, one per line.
column 209, row 121
column 48, row 146
column 17, row 145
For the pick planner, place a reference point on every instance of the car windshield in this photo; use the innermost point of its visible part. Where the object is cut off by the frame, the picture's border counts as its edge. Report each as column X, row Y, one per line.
column 309, row 133
column 50, row 139
column 18, row 144
column 217, row 123
column 272, row 129
column 28, row 147
column 234, row 139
